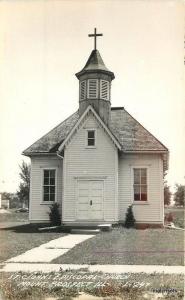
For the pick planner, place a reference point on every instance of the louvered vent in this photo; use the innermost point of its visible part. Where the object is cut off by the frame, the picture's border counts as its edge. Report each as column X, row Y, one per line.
column 104, row 90
column 92, row 88
column 82, row 90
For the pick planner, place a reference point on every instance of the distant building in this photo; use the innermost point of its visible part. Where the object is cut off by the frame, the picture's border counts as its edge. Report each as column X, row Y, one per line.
column 4, row 202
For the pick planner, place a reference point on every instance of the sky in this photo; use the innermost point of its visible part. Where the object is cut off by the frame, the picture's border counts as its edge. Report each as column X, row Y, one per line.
column 44, row 43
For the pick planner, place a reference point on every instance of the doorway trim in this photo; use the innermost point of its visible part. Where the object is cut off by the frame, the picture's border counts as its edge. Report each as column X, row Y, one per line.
column 89, row 178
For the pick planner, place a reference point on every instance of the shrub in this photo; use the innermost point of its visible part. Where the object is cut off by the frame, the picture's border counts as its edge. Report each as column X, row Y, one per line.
column 169, row 218
column 129, row 220
column 54, row 215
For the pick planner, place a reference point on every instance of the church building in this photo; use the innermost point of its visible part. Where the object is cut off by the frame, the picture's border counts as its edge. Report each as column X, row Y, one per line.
column 98, row 161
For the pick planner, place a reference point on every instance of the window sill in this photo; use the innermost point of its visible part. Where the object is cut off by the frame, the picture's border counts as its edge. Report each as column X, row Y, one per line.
column 47, row 202
column 141, row 203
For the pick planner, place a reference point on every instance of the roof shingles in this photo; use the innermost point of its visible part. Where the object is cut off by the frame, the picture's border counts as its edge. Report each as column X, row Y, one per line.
column 129, row 132
column 55, row 137
column 95, row 63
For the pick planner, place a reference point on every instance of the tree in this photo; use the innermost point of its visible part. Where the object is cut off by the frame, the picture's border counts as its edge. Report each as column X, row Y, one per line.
column 15, row 203
column 179, row 195
column 24, row 186
column 167, row 194
column 129, row 220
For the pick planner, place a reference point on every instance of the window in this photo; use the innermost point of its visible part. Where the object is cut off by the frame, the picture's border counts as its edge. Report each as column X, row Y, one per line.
column 49, row 185
column 92, row 88
column 91, row 138
column 140, row 184
column 82, row 90
column 104, row 90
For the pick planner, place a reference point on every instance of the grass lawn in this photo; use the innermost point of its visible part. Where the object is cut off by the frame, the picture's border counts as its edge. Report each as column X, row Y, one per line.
column 13, row 217
column 129, row 246
column 116, row 247
column 178, row 215
column 17, row 239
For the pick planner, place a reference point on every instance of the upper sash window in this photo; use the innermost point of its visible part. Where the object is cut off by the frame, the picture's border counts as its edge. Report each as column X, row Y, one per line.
column 91, row 138
column 140, row 184
column 49, row 185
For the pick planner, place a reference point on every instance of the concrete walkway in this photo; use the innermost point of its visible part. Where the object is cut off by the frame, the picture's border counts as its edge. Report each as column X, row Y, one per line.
column 117, row 269
column 37, row 260
column 51, row 250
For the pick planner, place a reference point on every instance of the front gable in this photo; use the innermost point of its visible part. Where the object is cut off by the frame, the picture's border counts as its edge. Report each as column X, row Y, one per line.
column 78, row 141
column 84, row 166
column 83, row 119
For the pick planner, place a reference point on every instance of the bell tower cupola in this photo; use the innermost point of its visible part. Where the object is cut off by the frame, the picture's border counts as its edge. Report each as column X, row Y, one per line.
column 95, row 84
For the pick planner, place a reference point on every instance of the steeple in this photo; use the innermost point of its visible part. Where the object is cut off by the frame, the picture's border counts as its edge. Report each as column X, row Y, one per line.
column 95, row 85
column 94, row 63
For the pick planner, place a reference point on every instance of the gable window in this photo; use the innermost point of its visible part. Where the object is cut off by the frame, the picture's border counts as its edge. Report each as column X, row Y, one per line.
column 92, row 88
column 82, row 90
column 140, row 184
column 91, row 138
column 104, row 90
column 49, row 185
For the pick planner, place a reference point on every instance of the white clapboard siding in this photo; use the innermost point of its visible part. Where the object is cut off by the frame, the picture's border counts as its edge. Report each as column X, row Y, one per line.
column 81, row 161
column 153, row 211
column 39, row 211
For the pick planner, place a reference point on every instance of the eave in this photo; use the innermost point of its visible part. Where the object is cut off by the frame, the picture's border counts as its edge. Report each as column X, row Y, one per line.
column 29, row 154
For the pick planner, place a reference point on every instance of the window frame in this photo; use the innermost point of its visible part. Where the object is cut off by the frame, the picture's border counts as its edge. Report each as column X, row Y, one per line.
column 49, row 169
column 97, row 87
column 95, row 138
column 147, row 185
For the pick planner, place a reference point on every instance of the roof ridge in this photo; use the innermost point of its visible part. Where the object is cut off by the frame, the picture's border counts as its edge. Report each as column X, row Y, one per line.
column 49, row 132
column 117, row 108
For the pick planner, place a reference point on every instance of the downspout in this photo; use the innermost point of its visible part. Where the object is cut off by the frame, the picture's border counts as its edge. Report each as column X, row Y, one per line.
column 61, row 157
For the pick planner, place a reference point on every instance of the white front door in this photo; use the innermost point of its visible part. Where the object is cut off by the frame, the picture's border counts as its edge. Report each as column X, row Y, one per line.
column 90, row 200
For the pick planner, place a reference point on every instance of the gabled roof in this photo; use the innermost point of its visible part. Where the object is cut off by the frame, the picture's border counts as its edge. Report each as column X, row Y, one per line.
column 51, row 141
column 86, row 112
column 95, row 63
column 129, row 133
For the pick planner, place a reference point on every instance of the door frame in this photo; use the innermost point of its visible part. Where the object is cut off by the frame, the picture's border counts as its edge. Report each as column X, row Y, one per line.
column 76, row 197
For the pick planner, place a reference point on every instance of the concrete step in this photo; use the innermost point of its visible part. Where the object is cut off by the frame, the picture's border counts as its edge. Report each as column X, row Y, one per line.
column 84, row 231
column 105, row 227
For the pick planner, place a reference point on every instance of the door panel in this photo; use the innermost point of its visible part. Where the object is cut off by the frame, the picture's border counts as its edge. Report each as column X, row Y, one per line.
column 83, row 200
column 90, row 200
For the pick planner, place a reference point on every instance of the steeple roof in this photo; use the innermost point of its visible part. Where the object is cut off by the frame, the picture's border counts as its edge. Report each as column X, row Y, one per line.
column 95, row 63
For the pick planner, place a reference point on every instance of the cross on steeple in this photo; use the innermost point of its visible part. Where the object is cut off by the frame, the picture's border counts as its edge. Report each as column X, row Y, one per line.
column 95, row 35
